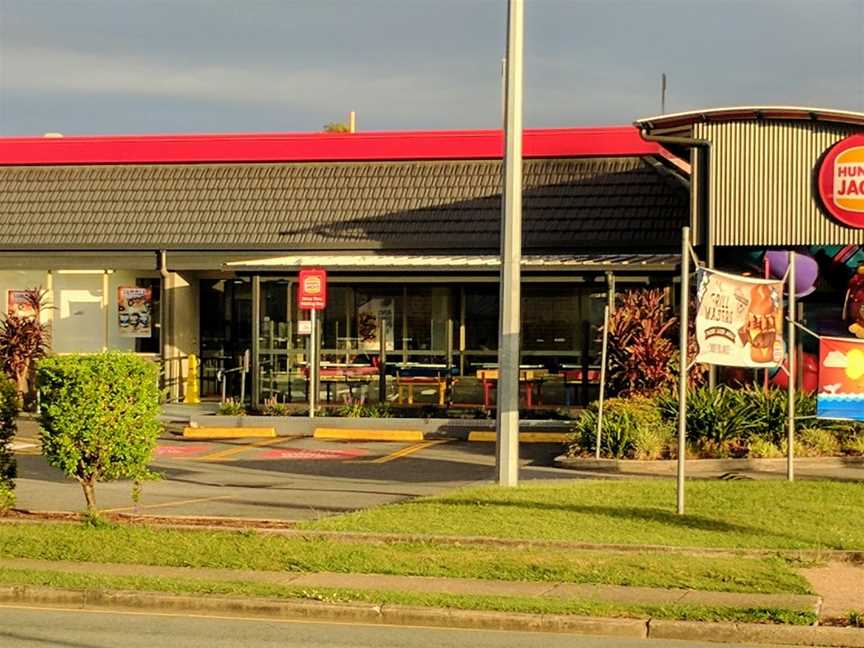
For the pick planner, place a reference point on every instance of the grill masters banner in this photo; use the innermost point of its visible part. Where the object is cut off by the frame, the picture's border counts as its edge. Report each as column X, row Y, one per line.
column 739, row 320
column 841, row 379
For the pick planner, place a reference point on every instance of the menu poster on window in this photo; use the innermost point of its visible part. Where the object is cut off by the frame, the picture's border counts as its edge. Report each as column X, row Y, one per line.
column 21, row 303
column 369, row 314
column 739, row 320
column 135, row 311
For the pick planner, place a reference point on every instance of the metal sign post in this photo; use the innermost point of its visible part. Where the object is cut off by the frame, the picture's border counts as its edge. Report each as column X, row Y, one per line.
column 791, row 352
column 313, row 363
column 682, row 350
column 507, row 410
column 602, row 379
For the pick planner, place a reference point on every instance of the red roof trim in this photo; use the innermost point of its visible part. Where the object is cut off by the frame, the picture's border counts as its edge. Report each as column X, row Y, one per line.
column 320, row 147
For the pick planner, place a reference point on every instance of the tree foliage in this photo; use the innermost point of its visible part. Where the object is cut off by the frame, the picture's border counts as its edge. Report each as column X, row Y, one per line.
column 99, row 417
column 336, row 127
column 9, row 405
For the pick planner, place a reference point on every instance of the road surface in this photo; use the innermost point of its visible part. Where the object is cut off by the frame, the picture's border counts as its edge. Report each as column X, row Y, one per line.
column 29, row 627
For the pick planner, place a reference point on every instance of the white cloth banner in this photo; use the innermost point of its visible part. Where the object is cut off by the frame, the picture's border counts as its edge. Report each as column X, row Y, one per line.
column 739, row 320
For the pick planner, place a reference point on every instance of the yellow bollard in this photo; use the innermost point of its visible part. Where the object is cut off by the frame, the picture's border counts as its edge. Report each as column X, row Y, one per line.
column 191, row 397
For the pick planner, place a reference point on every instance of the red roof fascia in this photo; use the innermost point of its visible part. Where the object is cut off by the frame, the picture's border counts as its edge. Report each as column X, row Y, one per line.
column 320, row 147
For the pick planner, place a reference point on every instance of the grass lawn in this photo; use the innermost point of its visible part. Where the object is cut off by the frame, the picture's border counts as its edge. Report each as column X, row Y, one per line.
column 133, row 544
column 494, row 603
column 749, row 514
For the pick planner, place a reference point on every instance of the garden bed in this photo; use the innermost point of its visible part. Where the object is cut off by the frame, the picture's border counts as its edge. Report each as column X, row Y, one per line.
column 701, row 467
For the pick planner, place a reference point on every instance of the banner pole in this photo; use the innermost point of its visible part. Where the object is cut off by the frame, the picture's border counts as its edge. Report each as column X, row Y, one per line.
column 313, row 364
column 682, row 350
column 602, row 378
column 791, row 352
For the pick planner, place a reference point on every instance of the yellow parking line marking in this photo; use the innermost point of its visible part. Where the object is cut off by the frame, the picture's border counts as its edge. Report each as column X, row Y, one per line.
column 166, row 504
column 221, row 455
column 404, row 452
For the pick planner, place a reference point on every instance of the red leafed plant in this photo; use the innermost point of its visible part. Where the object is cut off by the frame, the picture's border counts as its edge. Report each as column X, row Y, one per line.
column 24, row 339
column 643, row 345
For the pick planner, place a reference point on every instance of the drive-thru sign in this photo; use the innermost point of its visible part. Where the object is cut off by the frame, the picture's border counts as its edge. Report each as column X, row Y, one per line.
column 312, row 294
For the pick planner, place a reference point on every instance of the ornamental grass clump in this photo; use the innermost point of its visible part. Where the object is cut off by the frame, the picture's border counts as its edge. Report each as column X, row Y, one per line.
column 99, row 418
column 9, row 406
column 633, row 428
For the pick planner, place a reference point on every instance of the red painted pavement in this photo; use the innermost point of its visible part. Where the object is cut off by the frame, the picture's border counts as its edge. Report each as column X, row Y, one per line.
column 180, row 450
column 300, row 454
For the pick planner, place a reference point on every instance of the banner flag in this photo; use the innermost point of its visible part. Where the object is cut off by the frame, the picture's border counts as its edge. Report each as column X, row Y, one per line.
column 739, row 320
column 841, row 379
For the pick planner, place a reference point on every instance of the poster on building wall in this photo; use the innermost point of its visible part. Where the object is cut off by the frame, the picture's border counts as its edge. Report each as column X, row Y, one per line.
column 739, row 320
column 21, row 303
column 841, row 379
column 369, row 314
column 135, row 311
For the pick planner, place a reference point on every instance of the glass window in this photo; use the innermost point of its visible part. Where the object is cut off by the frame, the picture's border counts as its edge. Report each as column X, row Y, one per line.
column 481, row 318
column 551, row 318
column 151, row 344
column 427, row 315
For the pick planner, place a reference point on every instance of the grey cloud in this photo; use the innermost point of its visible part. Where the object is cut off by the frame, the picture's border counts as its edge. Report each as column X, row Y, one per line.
column 187, row 65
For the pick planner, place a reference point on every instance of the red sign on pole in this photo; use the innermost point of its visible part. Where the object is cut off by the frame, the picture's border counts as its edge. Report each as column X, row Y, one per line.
column 312, row 294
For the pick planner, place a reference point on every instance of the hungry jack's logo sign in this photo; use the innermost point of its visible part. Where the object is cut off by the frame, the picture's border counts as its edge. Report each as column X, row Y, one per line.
column 841, row 181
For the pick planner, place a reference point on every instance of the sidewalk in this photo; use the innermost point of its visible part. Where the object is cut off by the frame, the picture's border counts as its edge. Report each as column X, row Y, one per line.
column 429, row 585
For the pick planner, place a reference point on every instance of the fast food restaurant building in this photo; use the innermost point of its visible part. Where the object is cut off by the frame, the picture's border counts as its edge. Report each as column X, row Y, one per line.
column 406, row 223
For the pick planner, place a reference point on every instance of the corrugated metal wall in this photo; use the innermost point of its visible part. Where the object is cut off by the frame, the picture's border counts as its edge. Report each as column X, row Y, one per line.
column 761, row 183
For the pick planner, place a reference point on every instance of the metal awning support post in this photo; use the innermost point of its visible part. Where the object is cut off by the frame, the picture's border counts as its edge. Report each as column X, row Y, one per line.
column 507, row 410
column 602, row 380
column 682, row 350
column 791, row 353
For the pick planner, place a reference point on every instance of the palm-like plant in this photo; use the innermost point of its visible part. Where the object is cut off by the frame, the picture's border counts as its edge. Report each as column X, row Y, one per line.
column 643, row 345
column 24, row 338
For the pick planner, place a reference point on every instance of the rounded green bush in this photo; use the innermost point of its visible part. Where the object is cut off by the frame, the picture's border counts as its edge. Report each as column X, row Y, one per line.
column 99, row 417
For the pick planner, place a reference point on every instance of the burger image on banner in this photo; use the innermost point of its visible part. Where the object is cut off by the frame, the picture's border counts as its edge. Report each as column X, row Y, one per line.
column 134, row 308
column 739, row 320
column 760, row 330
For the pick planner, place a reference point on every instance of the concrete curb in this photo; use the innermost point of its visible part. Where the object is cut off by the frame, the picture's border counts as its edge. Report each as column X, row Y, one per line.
column 639, row 628
column 757, row 633
column 237, row 524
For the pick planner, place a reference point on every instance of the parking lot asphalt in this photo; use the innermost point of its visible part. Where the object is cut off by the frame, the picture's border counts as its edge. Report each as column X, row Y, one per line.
column 280, row 478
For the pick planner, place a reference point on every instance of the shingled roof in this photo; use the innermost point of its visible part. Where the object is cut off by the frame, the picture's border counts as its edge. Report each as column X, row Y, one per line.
column 618, row 203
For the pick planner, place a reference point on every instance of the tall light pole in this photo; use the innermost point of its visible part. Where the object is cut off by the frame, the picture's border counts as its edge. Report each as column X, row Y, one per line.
column 507, row 411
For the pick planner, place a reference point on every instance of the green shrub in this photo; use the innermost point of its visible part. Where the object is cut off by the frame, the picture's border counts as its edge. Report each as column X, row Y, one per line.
column 817, row 442
column 632, row 429
column 759, row 448
column 99, row 417
column 358, row 409
column 853, row 445
column 231, row 408
column 716, row 422
column 9, row 406
column 272, row 407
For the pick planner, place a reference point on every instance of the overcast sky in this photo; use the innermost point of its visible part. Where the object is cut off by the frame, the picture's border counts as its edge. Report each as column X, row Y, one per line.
column 143, row 66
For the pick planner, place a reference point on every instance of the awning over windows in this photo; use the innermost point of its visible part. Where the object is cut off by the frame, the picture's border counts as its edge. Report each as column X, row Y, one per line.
column 462, row 263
